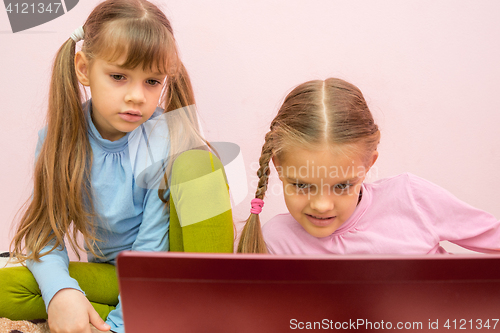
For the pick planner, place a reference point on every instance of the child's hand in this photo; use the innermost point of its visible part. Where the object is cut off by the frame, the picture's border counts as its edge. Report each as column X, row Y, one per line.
column 71, row 312
column 95, row 330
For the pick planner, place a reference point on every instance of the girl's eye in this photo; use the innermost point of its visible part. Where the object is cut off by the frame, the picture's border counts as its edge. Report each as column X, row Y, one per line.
column 301, row 188
column 153, row 82
column 117, row 77
column 341, row 188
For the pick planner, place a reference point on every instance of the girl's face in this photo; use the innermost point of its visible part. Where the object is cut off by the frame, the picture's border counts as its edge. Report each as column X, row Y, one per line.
column 322, row 187
column 122, row 98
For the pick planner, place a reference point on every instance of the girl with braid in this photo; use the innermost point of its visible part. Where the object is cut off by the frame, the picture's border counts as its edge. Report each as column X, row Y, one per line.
column 323, row 142
column 105, row 169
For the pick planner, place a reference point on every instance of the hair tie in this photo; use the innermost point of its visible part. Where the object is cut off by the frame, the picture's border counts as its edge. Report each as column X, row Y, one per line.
column 257, row 205
column 78, row 34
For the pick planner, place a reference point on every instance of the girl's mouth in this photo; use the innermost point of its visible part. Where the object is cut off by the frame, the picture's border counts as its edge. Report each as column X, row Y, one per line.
column 320, row 221
column 131, row 116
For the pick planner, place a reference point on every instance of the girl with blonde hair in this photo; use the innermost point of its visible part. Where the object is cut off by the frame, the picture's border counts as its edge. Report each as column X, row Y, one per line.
column 103, row 170
column 323, row 142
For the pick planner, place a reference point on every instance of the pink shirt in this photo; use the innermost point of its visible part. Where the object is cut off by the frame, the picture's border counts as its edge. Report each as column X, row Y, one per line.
column 404, row 214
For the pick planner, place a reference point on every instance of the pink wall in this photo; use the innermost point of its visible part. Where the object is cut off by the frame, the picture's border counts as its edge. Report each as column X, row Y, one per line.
column 429, row 70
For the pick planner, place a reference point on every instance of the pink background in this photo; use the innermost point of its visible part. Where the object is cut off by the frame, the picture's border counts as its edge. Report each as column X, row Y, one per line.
column 429, row 70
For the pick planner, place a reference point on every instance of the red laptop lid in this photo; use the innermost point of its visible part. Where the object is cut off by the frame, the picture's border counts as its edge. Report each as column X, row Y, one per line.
column 187, row 292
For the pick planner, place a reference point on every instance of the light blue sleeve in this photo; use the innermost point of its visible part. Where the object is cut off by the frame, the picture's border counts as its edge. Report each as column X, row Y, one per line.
column 51, row 273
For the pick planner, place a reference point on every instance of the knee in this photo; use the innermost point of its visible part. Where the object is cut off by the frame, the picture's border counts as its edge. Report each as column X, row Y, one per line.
column 193, row 164
column 199, row 187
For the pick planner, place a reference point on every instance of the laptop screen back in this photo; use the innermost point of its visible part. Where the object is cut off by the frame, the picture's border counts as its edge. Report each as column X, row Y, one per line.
column 186, row 292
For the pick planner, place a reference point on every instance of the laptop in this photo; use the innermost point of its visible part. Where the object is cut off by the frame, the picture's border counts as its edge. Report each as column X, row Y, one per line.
column 192, row 292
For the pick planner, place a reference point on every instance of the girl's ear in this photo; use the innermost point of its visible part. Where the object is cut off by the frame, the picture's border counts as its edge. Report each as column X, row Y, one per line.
column 373, row 159
column 277, row 166
column 275, row 161
column 82, row 68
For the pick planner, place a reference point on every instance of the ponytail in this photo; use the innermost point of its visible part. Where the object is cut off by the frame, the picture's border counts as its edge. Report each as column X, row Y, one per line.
column 179, row 90
column 62, row 170
column 184, row 131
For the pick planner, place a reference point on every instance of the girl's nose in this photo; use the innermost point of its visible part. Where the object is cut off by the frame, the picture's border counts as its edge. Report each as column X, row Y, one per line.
column 135, row 94
column 321, row 202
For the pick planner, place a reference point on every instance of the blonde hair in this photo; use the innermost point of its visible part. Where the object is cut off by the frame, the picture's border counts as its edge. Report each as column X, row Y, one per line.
column 61, row 204
column 315, row 113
